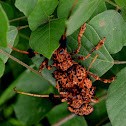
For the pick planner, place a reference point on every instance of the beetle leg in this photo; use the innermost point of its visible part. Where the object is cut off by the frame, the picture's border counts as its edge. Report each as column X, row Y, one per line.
column 102, row 80
column 95, row 100
column 51, row 66
column 83, row 28
column 58, row 87
column 45, row 63
column 101, row 42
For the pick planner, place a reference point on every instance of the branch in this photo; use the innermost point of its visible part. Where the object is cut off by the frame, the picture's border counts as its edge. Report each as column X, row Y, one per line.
column 16, row 19
column 113, row 4
column 21, row 27
column 64, row 120
column 20, row 62
column 119, row 62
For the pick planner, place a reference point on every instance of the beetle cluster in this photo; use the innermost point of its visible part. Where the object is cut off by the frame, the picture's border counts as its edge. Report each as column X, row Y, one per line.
column 72, row 79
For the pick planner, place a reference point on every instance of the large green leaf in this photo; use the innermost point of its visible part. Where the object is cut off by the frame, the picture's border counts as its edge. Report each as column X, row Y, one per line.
column 2, row 66
column 43, row 9
column 8, row 9
column 81, row 14
column 27, row 82
column 100, row 8
column 88, row 41
column 3, row 28
column 33, row 108
column 116, row 100
column 26, row 6
column 46, row 38
column 64, row 8
column 11, row 36
column 29, row 110
column 111, row 25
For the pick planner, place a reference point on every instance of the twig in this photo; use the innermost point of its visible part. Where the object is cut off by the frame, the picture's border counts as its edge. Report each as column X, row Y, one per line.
column 110, row 2
column 21, row 27
column 16, row 19
column 119, row 62
column 23, row 36
column 64, row 120
column 20, row 62
column 102, row 121
column 75, row 2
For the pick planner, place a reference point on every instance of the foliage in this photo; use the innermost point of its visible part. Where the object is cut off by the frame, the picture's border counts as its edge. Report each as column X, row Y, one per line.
column 39, row 24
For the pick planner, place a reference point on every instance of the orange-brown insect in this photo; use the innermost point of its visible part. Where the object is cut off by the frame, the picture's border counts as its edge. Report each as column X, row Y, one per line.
column 72, row 82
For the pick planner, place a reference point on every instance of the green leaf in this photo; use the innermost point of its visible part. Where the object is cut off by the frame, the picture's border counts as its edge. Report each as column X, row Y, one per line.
column 15, row 122
column 100, row 8
column 2, row 67
column 11, row 36
column 29, row 110
column 60, row 110
column 111, row 25
column 122, row 7
column 27, row 82
column 47, row 74
column 8, row 9
column 33, row 108
column 99, row 113
column 45, row 39
column 81, row 14
column 121, row 4
column 6, row 123
column 123, row 15
column 64, row 8
column 41, row 12
column 26, row 6
column 3, row 28
column 76, row 121
column 116, row 100
column 89, row 40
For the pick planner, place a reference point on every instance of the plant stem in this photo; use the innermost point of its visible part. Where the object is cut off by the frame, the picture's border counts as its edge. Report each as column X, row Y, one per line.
column 102, row 121
column 20, row 62
column 75, row 2
column 64, row 120
column 21, row 27
column 24, row 36
column 110, row 2
column 16, row 19
column 119, row 62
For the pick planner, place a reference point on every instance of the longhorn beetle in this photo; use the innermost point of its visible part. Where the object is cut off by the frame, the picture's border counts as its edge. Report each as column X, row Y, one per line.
column 72, row 82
